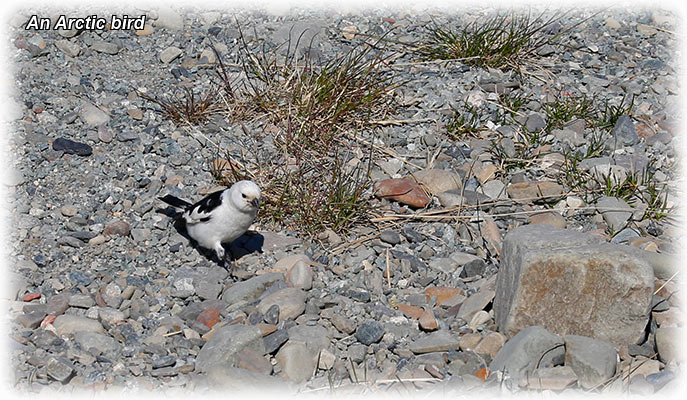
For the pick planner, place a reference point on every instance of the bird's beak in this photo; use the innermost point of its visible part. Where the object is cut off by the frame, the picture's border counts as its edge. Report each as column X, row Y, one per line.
column 255, row 202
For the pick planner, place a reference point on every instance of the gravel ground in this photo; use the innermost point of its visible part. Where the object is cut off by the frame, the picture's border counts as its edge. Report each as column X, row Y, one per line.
column 108, row 296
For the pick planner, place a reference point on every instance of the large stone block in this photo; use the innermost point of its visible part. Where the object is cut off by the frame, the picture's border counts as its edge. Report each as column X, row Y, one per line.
column 572, row 283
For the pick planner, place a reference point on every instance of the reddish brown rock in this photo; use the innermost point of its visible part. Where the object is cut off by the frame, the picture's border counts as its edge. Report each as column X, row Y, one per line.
column 410, row 311
column 402, row 190
column 442, row 293
column 427, row 320
column 31, row 296
column 209, row 317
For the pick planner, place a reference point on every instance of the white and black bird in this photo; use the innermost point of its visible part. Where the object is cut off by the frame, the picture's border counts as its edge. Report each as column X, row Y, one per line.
column 220, row 217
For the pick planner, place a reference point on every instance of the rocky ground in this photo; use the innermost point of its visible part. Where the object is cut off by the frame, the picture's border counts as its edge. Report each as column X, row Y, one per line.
column 508, row 279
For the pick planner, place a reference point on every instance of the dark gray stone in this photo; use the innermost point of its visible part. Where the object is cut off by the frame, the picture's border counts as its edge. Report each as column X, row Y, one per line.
column 369, row 332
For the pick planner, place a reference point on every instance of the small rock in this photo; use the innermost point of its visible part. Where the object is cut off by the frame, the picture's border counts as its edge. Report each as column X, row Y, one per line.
column 164, row 361
column 390, row 237
column 169, row 54
column 668, row 344
column 438, row 180
column 535, row 122
column 98, row 341
column 548, row 217
column 440, row 340
column 490, row 344
column 72, row 147
column 624, row 130
column 69, row 324
column 477, row 302
column 67, row 47
column 102, row 46
column 369, row 332
column 427, row 320
column 59, row 369
column 343, row 324
column 527, row 192
column 92, row 115
column 274, row 340
column 553, row 378
column 520, row 355
column 402, row 190
column 611, row 208
column 592, row 360
column 296, row 361
column 58, row 304
column 291, row 302
column 300, row 276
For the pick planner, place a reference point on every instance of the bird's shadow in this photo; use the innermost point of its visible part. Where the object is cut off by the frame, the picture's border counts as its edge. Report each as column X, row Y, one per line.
column 249, row 242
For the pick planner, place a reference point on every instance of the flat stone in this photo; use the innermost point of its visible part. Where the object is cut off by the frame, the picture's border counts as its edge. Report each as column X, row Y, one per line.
column 592, row 360
column 67, row 324
column 427, row 320
column 31, row 320
column 119, row 228
column 548, row 217
column 440, row 340
column 572, row 283
column 476, row 302
column 72, row 147
column 250, row 289
column 531, row 347
column 300, row 276
column 67, row 47
column 275, row 340
column 624, row 130
column 297, row 361
column 59, row 369
column 343, row 324
column 169, row 54
column 438, row 180
column 102, row 46
column 222, row 348
column 58, row 304
column 553, row 378
column 528, row 192
column 490, row 344
column 102, row 343
column 291, row 302
column 251, row 360
column 390, row 237
column 315, row 337
column 92, row 115
column 611, row 208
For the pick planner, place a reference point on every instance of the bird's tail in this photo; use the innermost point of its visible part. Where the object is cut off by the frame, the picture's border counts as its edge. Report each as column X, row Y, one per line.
column 175, row 201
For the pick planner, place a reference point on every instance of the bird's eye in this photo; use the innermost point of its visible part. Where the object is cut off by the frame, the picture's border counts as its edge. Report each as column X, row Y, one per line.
column 243, row 195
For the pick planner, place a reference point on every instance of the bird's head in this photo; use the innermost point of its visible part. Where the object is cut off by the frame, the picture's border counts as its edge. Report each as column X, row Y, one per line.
column 245, row 195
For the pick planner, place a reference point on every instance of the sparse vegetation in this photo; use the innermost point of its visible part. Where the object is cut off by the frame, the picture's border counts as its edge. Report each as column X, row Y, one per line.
column 498, row 41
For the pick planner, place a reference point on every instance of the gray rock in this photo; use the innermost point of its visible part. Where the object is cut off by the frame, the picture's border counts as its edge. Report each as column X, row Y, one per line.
column 440, row 340
column 297, row 361
column 535, row 122
column 478, row 301
column 611, row 210
column 343, row 324
column 274, row 340
column 553, row 378
column 357, row 352
column 102, row 46
column 249, row 290
column 531, row 348
column 221, row 349
column 369, row 332
column 624, row 130
column 315, row 337
column 67, row 47
column 164, row 361
column 112, row 295
column 593, row 360
column 58, row 304
column 31, row 320
column 466, row 363
column 300, row 276
column 208, row 290
column 572, row 283
column 390, row 237
column 92, row 115
column 291, row 302
column 668, row 346
column 59, row 369
column 98, row 341
column 110, row 317
column 69, row 324
column 169, row 54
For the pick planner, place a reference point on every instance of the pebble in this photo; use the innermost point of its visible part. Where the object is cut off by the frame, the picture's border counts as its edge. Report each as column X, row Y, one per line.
column 592, row 360
column 71, row 147
column 169, row 54
column 291, row 302
column 297, row 361
column 69, row 324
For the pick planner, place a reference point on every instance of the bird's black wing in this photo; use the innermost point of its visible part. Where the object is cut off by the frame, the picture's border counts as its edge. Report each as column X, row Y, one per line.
column 175, row 201
column 202, row 210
